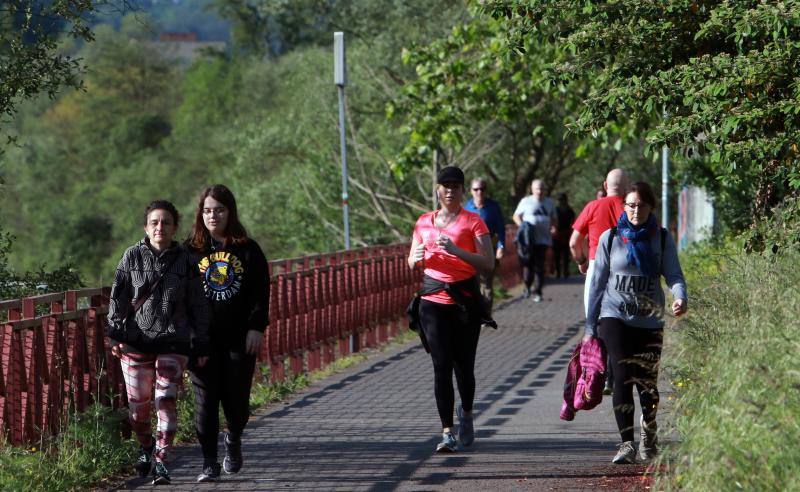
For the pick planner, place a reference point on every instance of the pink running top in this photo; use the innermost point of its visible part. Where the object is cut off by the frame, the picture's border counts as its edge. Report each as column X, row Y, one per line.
column 440, row 264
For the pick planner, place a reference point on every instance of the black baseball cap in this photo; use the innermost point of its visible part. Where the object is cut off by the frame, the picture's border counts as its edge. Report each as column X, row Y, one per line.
column 450, row 174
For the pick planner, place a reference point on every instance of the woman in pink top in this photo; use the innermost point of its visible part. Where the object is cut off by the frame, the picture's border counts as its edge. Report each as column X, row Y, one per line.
column 452, row 244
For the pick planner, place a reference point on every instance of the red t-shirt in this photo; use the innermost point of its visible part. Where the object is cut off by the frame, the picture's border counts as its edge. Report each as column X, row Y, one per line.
column 440, row 264
column 597, row 217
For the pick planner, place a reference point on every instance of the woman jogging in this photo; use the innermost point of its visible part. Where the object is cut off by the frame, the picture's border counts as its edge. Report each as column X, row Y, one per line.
column 157, row 318
column 626, row 308
column 452, row 244
column 235, row 276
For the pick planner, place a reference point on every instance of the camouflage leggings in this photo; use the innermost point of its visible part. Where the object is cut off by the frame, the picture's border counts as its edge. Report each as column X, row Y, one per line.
column 142, row 372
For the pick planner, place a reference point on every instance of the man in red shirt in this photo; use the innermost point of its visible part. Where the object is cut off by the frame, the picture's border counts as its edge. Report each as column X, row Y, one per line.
column 596, row 218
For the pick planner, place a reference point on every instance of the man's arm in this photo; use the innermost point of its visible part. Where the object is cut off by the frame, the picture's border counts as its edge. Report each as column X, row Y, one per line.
column 579, row 247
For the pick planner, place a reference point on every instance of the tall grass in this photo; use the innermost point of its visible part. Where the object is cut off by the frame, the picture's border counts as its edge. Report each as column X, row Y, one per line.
column 734, row 365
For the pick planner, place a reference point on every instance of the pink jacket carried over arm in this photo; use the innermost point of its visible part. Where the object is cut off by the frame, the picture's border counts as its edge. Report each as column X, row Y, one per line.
column 586, row 376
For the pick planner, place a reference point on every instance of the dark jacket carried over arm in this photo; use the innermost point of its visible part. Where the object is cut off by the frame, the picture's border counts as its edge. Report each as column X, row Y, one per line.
column 466, row 293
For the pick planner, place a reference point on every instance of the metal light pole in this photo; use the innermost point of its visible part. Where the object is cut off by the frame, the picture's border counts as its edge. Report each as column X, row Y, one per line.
column 340, row 79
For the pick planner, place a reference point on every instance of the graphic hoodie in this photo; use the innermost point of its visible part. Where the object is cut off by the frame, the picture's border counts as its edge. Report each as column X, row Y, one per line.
column 236, row 281
column 175, row 316
column 620, row 290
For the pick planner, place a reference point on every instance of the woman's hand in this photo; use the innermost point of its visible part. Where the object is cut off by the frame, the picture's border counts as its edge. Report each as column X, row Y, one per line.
column 252, row 344
column 447, row 244
column 418, row 253
column 679, row 307
column 116, row 350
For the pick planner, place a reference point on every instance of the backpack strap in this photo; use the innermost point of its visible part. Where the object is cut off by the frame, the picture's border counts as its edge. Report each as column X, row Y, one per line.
column 663, row 243
column 611, row 239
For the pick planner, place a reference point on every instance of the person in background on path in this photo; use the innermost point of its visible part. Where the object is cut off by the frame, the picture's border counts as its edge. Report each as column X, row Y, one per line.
column 491, row 214
column 452, row 244
column 236, row 280
column 597, row 217
column 157, row 318
column 538, row 211
column 626, row 310
column 561, row 253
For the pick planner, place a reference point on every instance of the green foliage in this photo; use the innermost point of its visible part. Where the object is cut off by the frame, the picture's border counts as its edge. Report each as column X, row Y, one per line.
column 733, row 365
column 29, row 62
column 471, row 104
column 724, row 72
column 88, row 451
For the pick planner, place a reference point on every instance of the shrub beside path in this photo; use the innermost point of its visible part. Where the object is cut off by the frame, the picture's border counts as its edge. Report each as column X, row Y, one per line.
column 374, row 426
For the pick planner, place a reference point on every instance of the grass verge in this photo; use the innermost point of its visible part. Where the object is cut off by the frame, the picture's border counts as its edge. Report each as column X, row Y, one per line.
column 733, row 364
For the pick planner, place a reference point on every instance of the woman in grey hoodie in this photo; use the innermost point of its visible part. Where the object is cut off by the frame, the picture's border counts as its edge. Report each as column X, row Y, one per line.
column 626, row 310
column 157, row 318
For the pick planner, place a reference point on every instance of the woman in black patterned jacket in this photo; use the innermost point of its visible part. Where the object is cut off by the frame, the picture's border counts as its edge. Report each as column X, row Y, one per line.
column 157, row 318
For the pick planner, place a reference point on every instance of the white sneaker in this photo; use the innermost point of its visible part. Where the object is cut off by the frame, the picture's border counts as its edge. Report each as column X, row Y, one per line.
column 537, row 298
column 626, row 455
column 648, row 440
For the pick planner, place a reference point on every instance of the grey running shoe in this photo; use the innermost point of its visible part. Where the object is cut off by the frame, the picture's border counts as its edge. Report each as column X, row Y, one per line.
column 648, row 440
column 233, row 455
column 466, row 429
column 448, row 444
column 626, row 455
column 526, row 292
column 210, row 472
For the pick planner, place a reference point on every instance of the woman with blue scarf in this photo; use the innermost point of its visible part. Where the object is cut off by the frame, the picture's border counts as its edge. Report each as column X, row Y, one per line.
column 626, row 310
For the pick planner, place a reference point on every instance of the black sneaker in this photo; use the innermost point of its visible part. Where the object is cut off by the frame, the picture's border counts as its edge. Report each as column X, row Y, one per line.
column 160, row 474
column 210, row 472
column 145, row 460
column 233, row 455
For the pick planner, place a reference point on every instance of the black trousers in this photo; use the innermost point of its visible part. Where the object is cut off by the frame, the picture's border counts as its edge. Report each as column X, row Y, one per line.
column 635, row 354
column 562, row 258
column 453, row 339
column 533, row 271
column 225, row 379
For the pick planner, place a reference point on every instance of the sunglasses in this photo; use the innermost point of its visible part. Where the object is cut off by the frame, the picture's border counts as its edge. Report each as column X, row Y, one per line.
column 478, row 189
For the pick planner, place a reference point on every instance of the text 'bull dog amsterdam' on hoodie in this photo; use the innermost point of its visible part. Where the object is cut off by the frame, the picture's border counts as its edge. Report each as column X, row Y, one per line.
column 175, row 316
column 620, row 290
column 236, row 281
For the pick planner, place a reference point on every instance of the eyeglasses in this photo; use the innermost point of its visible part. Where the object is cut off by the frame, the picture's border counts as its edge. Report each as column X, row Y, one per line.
column 637, row 205
column 478, row 189
column 214, row 211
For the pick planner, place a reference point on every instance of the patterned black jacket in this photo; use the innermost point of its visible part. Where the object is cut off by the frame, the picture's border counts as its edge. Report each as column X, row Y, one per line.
column 175, row 316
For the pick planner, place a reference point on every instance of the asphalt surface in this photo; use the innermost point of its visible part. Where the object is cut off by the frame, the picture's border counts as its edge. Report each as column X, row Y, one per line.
column 374, row 427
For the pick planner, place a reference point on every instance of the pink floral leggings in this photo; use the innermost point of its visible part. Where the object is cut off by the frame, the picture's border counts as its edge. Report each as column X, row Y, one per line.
column 141, row 373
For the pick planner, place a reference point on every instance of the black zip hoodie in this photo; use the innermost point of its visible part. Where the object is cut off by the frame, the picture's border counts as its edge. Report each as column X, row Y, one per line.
column 174, row 318
column 236, row 282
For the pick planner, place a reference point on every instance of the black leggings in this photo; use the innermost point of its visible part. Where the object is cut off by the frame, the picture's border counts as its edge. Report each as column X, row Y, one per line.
column 635, row 354
column 453, row 340
column 226, row 378
column 533, row 272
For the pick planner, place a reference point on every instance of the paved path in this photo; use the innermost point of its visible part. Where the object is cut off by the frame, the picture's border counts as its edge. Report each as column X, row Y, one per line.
column 374, row 426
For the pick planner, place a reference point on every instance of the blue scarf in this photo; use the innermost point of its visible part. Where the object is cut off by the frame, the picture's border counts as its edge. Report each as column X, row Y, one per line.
column 637, row 242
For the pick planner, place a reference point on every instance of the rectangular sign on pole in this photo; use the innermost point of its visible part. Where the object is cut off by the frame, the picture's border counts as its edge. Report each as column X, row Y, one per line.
column 339, row 67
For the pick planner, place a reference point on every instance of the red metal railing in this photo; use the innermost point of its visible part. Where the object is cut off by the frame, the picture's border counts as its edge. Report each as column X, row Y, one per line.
column 320, row 305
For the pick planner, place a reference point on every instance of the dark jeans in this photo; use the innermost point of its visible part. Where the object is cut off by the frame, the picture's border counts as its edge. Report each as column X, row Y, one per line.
column 453, row 340
column 225, row 379
column 635, row 354
column 533, row 271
